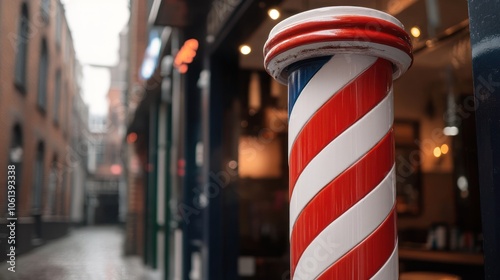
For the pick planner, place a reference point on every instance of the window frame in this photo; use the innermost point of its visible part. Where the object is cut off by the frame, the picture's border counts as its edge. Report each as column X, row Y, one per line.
column 45, row 10
column 43, row 75
column 22, row 42
column 57, row 97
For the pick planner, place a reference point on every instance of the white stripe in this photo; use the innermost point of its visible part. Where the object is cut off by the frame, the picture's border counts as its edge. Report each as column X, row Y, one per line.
column 341, row 153
column 390, row 269
column 333, row 76
column 401, row 61
column 348, row 230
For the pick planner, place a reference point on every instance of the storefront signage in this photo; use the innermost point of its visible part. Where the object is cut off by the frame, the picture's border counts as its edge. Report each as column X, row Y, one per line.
column 220, row 11
column 186, row 55
column 151, row 55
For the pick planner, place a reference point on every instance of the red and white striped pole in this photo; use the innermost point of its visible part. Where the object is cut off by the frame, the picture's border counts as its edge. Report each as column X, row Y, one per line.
column 339, row 63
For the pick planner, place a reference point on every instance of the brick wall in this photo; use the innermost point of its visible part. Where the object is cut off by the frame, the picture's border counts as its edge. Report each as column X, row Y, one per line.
column 21, row 108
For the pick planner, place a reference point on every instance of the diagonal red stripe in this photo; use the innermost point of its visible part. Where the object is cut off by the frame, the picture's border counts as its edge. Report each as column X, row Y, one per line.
column 337, row 114
column 341, row 194
column 368, row 257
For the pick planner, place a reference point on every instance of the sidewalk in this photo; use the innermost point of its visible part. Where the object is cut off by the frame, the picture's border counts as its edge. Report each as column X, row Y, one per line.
column 92, row 253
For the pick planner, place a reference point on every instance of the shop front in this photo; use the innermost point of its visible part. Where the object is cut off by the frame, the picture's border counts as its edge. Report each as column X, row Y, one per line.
column 225, row 154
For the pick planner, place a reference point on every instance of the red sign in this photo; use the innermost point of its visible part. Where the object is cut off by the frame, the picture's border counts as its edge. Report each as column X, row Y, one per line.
column 186, row 55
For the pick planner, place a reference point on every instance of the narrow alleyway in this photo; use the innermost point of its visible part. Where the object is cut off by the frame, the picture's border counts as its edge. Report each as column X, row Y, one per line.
column 93, row 253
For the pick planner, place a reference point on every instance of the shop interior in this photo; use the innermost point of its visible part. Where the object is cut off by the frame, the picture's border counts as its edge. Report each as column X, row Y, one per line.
column 436, row 159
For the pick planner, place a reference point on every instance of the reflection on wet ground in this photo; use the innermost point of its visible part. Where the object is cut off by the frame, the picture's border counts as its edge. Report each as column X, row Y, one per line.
column 85, row 254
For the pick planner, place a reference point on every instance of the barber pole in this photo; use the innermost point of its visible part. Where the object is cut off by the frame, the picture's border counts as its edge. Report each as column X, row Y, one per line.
column 339, row 64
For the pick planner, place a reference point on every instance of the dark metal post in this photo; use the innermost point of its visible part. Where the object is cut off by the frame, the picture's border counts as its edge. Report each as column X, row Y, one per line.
column 485, row 42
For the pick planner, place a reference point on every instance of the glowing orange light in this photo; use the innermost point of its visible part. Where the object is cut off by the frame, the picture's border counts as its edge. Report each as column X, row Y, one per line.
column 132, row 137
column 415, row 31
column 183, row 68
column 186, row 55
column 437, row 152
column 444, row 149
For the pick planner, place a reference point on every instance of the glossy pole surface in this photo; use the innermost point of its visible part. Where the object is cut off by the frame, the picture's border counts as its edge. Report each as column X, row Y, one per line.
column 485, row 42
column 339, row 64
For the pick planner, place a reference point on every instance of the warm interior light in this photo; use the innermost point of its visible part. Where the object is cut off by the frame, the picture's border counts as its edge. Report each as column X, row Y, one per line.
column 273, row 14
column 444, row 149
column 245, row 49
column 186, row 55
column 437, row 152
column 450, row 131
column 415, row 31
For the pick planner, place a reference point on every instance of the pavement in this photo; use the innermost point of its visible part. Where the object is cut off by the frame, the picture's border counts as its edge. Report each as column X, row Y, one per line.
column 91, row 253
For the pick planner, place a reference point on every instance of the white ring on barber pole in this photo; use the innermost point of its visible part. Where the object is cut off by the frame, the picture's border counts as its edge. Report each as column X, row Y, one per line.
column 276, row 66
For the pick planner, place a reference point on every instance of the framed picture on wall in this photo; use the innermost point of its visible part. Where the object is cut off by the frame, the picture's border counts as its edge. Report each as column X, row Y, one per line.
column 408, row 171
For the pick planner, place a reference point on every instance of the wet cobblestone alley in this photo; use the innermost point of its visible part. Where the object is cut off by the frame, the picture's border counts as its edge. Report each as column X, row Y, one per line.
column 92, row 253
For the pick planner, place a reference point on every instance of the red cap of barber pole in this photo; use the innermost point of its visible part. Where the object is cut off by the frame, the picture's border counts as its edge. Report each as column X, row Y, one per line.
column 337, row 30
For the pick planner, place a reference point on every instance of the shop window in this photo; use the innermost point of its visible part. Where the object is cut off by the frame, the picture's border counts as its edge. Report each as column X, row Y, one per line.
column 43, row 70
column 408, row 174
column 262, row 166
column 21, row 42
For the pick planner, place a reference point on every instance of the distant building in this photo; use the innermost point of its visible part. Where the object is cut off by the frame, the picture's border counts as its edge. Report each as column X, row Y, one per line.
column 38, row 88
column 106, row 187
column 102, row 185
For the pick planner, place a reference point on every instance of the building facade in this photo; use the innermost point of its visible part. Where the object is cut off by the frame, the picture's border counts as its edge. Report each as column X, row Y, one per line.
column 135, row 158
column 39, row 82
column 80, row 154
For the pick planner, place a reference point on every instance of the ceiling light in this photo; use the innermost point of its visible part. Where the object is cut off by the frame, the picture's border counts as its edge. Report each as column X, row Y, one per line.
column 450, row 131
column 444, row 149
column 437, row 152
column 273, row 14
column 245, row 49
column 415, row 31
column 462, row 183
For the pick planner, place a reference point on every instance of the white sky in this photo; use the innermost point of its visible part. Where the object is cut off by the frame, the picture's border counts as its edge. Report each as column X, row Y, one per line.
column 95, row 26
